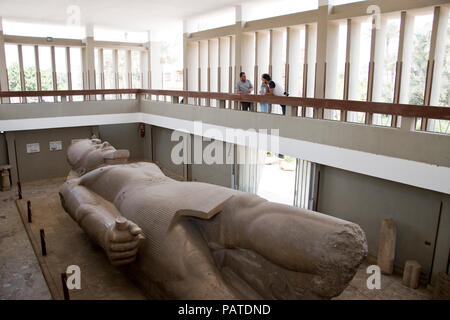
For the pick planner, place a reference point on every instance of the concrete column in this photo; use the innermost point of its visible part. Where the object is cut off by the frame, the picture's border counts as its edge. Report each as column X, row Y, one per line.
column 248, row 55
column 224, row 63
column 90, row 57
column 437, row 55
column 321, row 54
column 353, row 54
column 295, row 61
column 405, row 52
column 129, row 69
column 238, row 43
column 89, row 60
column 310, row 59
column 378, row 65
column 148, row 80
column 101, row 71
column 185, row 56
column 331, row 60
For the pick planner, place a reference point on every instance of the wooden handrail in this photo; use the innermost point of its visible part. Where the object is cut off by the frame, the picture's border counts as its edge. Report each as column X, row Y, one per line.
column 54, row 93
column 406, row 110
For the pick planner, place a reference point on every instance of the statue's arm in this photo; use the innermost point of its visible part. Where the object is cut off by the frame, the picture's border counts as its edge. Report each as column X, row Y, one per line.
column 102, row 222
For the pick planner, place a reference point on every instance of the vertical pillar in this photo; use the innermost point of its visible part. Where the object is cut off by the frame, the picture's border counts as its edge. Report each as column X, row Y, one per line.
column 321, row 54
column 435, row 61
column 21, row 72
column 199, row 72
column 405, row 47
column 238, row 43
column 331, row 66
column 129, row 70
column 295, row 62
column 353, row 54
column 378, row 67
column 3, row 70
column 38, row 71
column 90, row 59
column 270, row 51
column 68, row 70
column 286, row 66
column 255, row 70
column 347, row 67
column 149, row 63
column 218, row 65
column 101, row 66
column 54, row 76
column 185, row 58
column 208, row 74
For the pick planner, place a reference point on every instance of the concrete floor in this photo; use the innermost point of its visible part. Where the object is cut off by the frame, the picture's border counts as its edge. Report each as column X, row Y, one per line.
column 21, row 276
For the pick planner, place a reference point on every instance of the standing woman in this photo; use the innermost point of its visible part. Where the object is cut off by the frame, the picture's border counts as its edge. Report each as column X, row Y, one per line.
column 274, row 89
column 262, row 91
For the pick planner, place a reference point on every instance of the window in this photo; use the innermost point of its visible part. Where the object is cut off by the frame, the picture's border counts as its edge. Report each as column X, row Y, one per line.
column 108, row 67
column 45, row 66
column 122, row 69
column 76, row 71
column 419, row 60
column 61, row 68
column 136, row 80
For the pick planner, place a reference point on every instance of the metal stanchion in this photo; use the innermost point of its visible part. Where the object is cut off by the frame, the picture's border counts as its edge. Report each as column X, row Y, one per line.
column 29, row 210
column 43, row 246
column 19, row 187
column 64, row 285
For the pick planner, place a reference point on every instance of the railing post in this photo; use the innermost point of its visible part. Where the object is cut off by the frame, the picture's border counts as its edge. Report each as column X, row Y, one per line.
column 175, row 99
column 222, row 104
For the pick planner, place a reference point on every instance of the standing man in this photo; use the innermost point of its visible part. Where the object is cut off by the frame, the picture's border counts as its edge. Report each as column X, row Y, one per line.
column 244, row 86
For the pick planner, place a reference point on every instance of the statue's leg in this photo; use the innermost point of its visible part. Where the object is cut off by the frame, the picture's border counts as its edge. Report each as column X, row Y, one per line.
column 323, row 251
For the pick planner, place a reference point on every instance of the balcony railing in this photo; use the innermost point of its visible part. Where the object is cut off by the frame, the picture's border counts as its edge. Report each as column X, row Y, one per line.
column 296, row 106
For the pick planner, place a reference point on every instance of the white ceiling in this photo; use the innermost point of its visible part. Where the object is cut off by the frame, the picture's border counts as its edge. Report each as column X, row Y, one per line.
column 137, row 15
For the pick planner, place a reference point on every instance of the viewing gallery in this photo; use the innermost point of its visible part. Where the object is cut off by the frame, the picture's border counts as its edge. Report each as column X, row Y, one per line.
column 225, row 150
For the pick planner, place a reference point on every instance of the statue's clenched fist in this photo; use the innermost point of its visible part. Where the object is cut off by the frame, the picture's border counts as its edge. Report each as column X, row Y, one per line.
column 123, row 241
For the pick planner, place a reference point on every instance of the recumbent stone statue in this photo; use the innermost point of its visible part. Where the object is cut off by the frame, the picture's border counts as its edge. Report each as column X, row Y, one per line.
column 191, row 240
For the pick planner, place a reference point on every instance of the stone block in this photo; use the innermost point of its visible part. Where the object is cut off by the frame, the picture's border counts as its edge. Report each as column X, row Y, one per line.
column 411, row 274
column 386, row 246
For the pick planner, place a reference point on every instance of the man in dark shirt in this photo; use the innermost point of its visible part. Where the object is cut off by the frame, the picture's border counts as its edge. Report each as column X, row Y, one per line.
column 244, row 86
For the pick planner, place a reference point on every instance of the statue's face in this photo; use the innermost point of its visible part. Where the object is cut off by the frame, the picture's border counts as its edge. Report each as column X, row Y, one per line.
column 88, row 154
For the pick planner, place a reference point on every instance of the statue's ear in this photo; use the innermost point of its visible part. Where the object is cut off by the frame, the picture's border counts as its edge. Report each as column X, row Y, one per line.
column 205, row 208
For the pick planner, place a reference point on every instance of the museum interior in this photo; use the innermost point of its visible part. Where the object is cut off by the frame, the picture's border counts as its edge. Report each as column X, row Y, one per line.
column 231, row 149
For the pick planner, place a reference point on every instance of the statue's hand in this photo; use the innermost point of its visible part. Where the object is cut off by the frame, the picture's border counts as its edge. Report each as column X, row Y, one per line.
column 122, row 241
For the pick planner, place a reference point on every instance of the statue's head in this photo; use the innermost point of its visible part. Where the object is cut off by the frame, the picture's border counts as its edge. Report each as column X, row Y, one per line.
column 85, row 155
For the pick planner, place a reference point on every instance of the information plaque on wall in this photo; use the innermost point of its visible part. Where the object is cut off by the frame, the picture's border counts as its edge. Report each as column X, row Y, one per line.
column 55, row 145
column 33, row 147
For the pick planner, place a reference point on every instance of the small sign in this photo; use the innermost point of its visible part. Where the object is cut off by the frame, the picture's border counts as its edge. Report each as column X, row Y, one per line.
column 33, row 147
column 55, row 145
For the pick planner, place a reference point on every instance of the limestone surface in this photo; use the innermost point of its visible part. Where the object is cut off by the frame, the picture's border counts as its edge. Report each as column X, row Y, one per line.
column 191, row 240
